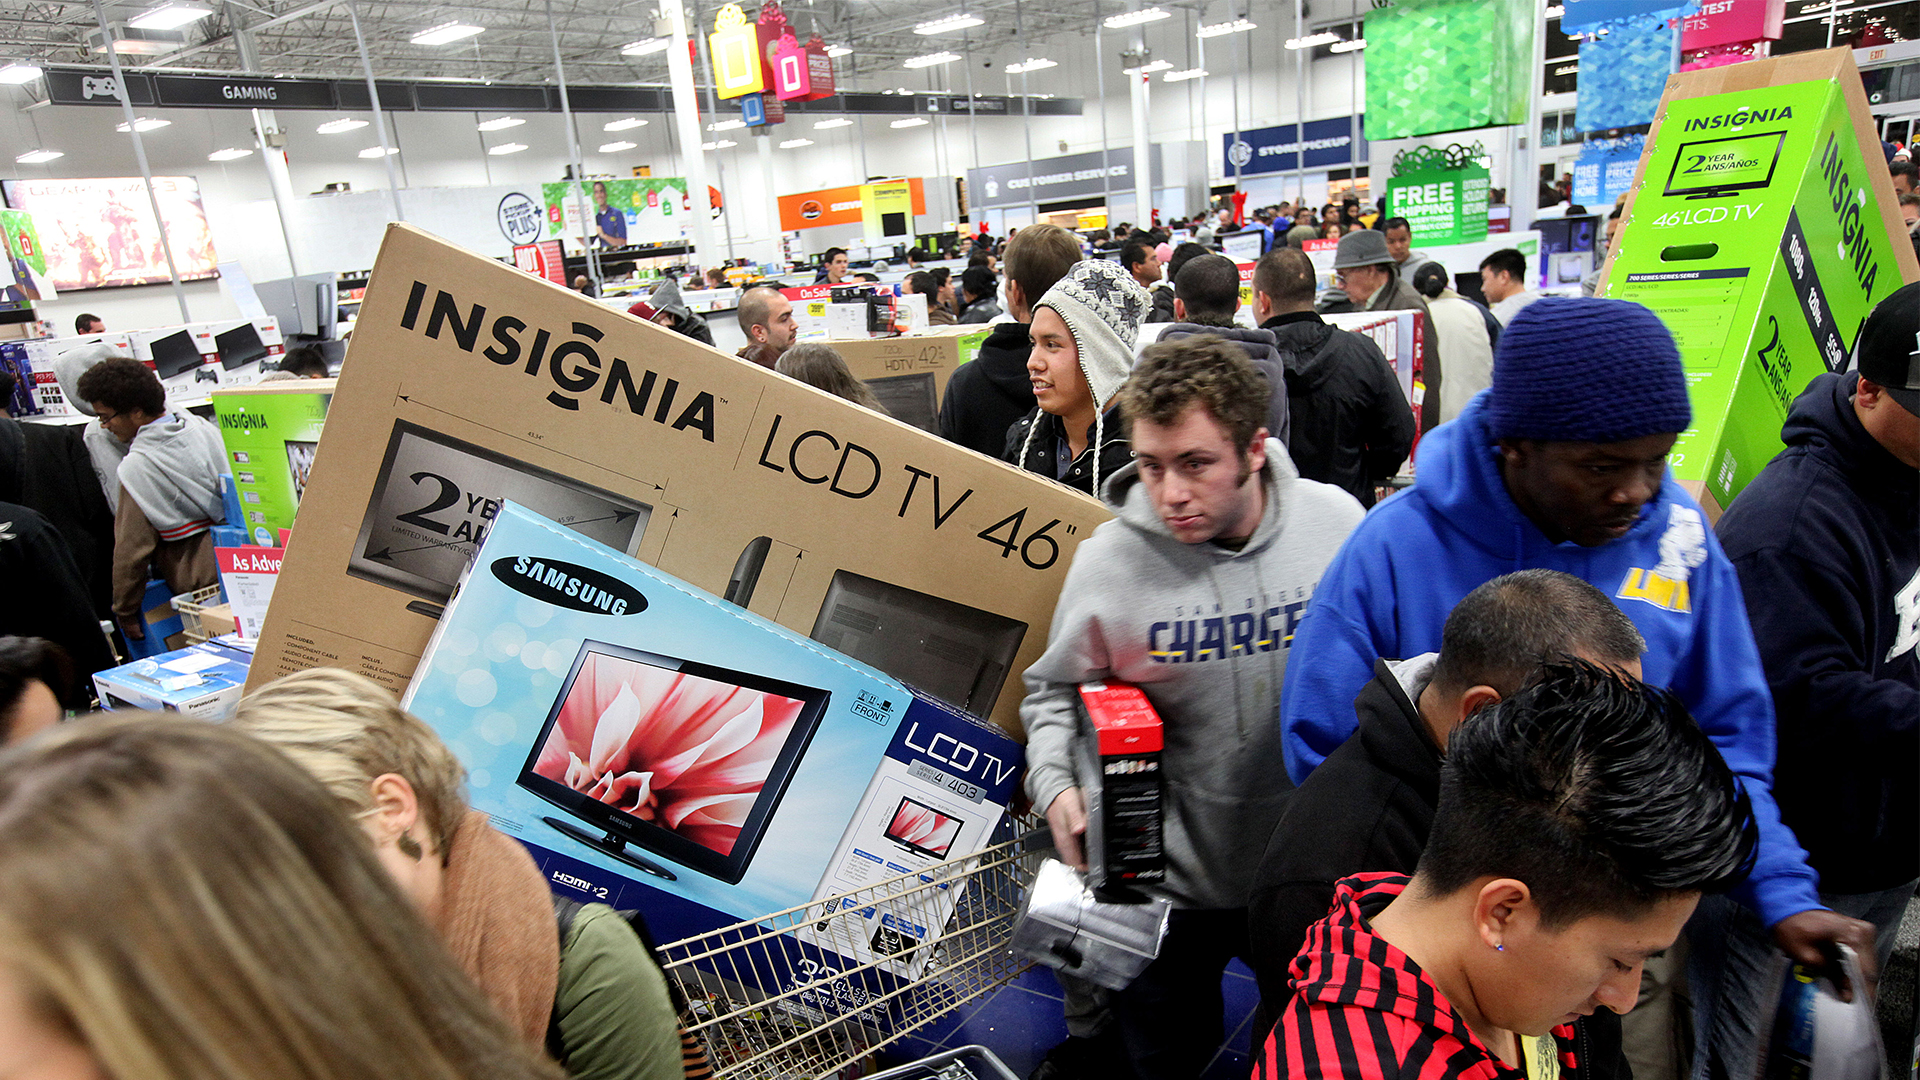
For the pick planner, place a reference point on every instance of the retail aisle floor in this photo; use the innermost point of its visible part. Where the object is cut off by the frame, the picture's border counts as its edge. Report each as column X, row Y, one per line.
column 1022, row 1021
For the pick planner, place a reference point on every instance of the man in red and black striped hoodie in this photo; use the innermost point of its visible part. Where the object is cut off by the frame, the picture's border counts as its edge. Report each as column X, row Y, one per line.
column 1579, row 823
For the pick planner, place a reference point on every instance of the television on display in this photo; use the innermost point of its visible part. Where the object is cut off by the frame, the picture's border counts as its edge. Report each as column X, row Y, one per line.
column 956, row 653
column 678, row 759
column 175, row 354
column 1716, row 168
column 910, row 399
column 922, row 829
column 99, row 233
column 893, row 224
column 1243, row 246
column 239, row 346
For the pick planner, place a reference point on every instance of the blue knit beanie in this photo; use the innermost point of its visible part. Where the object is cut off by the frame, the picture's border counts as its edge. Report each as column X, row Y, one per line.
column 1586, row 370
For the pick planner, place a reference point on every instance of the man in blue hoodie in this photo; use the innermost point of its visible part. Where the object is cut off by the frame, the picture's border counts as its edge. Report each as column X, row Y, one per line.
column 1562, row 465
column 1826, row 541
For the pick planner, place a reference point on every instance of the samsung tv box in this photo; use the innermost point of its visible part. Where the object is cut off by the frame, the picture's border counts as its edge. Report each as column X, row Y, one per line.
column 657, row 747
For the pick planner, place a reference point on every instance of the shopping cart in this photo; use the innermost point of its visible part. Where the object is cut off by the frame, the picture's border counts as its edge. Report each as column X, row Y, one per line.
column 191, row 606
column 962, row 1063
column 771, row 998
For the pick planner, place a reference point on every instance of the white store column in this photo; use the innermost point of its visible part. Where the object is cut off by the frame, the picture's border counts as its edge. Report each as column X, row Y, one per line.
column 1142, row 150
column 686, row 118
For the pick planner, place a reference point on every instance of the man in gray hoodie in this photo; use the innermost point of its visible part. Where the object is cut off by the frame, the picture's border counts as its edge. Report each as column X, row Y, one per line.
column 1192, row 594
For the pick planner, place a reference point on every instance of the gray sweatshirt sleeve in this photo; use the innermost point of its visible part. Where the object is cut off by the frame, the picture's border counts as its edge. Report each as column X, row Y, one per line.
column 1076, row 653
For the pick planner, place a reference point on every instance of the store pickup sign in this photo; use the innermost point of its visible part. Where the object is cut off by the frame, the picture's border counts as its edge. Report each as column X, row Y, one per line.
column 1284, row 148
column 1443, row 206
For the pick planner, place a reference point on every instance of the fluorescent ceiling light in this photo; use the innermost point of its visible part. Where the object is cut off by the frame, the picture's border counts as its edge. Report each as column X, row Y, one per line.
column 1237, row 26
column 931, row 60
column 645, row 48
column 335, row 127
column 616, row 147
column 1183, row 76
column 726, row 125
column 500, row 123
column 1325, row 37
column 39, row 157
column 1555, row 11
column 836, row 122
column 15, row 74
column 447, row 33
column 1157, row 65
column 795, row 144
column 144, row 123
column 721, row 144
column 506, row 148
column 627, row 124
column 169, row 17
column 911, row 121
column 1031, row 64
column 375, row 151
column 1348, row 46
column 838, row 51
column 1135, row 18
column 950, row 23
column 231, row 153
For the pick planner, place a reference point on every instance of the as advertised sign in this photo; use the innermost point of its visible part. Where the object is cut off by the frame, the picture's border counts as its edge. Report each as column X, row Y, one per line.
column 1762, row 231
column 1319, row 144
column 1442, row 194
column 643, row 210
column 1049, row 179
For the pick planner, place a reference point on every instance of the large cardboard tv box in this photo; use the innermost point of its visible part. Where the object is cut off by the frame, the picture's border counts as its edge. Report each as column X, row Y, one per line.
column 909, row 374
column 1763, row 230
column 472, row 382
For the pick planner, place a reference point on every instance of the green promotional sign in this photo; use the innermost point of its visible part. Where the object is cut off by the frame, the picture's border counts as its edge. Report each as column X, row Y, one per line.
column 24, row 281
column 1759, row 237
column 1442, row 193
column 270, row 436
column 644, row 210
column 1447, row 65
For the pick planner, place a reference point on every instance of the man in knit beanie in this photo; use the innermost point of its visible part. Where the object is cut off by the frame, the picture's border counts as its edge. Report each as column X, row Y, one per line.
column 1562, row 465
column 1083, row 333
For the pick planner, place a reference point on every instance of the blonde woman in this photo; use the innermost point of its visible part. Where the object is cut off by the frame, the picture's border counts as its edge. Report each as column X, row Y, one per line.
column 178, row 902
column 598, row 1000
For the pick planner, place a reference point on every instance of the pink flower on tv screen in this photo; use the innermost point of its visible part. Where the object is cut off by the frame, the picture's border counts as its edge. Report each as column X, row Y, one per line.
column 923, row 827
column 683, row 752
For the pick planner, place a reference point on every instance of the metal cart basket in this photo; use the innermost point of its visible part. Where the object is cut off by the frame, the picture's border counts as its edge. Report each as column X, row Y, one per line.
column 765, row 1001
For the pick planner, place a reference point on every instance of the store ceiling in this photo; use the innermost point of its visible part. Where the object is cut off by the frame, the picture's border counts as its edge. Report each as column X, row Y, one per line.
column 305, row 37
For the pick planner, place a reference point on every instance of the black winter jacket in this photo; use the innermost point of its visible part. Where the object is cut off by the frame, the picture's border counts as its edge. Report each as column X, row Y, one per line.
column 1352, row 426
column 1261, row 348
column 1162, row 310
column 988, row 393
column 1114, row 453
column 47, row 468
column 46, row 596
column 1826, row 541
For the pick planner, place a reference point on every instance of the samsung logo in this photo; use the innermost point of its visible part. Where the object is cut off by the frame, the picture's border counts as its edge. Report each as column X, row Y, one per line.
column 566, row 585
column 570, row 361
column 1738, row 117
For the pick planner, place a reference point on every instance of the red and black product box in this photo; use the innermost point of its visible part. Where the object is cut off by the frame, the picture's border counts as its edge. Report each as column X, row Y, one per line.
column 1119, row 769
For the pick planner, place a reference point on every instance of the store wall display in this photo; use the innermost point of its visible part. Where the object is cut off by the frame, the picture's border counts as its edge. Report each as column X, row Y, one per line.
column 24, row 281
column 1446, row 65
column 1762, row 229
column 101, row 232
column 1605, row 170
column 649, row 210
column 752, row 483
column 1281, row 148
column 1442, row 192
column 840, row 206
column 1624, row 69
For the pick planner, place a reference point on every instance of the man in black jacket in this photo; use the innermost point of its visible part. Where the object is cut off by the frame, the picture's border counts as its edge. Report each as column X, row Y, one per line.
column 1369, row 806
column 47, row 468
column 1206, row 298
column 1826, row 541
column 1351, row 425
column 991, row 391
column 47, row 598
